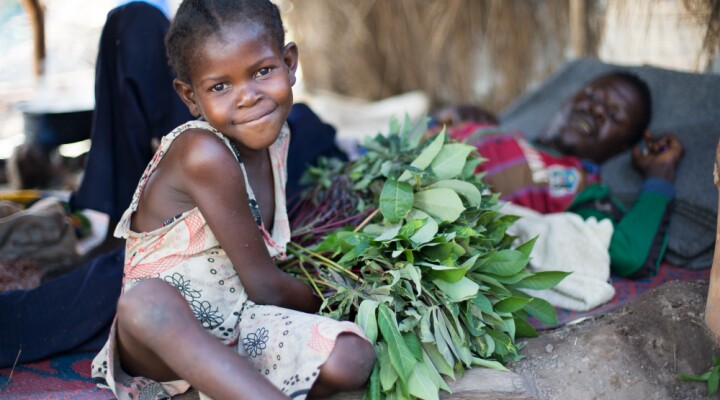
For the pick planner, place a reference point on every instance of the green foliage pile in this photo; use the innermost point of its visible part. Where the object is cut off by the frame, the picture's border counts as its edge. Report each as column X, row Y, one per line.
column 433, row 278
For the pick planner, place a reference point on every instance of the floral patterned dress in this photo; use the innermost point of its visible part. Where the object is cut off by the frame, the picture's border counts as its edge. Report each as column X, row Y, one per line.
column 286, row 346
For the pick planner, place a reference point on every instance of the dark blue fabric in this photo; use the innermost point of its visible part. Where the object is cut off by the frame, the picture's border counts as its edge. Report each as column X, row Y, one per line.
column 73, row 311
column 134, row 102
column 310, row 138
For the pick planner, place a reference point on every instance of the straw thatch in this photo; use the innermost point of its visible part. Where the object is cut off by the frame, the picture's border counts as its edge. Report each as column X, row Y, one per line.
column 448, row 48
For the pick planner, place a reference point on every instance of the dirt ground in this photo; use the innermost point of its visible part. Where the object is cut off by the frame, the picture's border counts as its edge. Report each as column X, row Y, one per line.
column 635, row 352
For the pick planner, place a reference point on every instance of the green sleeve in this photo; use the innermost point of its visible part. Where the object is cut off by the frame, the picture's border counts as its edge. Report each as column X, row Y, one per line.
column 638, row 240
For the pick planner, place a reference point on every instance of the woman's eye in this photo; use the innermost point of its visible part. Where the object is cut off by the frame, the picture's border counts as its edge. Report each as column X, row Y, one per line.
column 218, row 87
column 262, row 72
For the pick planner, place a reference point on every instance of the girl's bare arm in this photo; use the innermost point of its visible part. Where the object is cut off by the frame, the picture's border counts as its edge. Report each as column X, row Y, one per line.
column 212, row 178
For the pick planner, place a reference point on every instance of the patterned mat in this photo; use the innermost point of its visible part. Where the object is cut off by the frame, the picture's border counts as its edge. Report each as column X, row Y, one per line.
column 60, row 378
column 68, row 377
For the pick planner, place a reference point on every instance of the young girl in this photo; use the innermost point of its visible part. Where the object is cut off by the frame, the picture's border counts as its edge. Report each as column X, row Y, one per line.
column 203, row 303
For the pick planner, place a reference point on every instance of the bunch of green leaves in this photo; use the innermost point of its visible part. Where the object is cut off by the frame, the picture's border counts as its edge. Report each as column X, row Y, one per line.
column 711, row 377
column 433, row 278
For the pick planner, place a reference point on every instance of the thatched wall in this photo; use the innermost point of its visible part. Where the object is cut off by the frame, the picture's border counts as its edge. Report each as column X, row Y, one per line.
column 376, row 48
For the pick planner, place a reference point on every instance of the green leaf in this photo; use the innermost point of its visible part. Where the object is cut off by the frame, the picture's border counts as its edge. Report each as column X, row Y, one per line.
column 543, row 311
column 422, row 385
column 400, row 355
column 511, row 304
column 542, row 280
column 442, row 338
column 427, row 231
column 713, row 381
column 695, row 378
column 413, row 344
column 366, row 319
column 413, row 136
column 412, row 273
column 388, row 375
column 359, row 242
column 526, row 248
column 489, row 364
column 524, row 329
column 437, row 253
column 386, row 232
column 426, row 156
column 372, row 391
column 483, row 303
column 438, row 360
column 396, row 200
column 506, row 262
column 461, row 290
column 442, row 204
column 451, row 159
column 434, row 374
column 466, row 189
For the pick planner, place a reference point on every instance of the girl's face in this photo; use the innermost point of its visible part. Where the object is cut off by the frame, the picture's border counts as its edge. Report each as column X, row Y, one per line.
column 241, row 83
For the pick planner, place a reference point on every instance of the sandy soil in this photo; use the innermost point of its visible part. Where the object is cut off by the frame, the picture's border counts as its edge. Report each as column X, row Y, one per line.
column 635, row 352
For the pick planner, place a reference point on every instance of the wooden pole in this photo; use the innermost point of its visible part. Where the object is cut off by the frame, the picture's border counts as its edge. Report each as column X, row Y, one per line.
column 37, row 21
column 712, row 306
column 578, row 28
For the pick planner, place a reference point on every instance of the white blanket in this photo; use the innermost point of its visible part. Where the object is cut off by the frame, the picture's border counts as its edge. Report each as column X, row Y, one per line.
column 566, row 242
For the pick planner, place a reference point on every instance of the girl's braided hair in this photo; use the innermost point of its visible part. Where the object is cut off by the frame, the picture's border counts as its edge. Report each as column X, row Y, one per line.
column 196, row 20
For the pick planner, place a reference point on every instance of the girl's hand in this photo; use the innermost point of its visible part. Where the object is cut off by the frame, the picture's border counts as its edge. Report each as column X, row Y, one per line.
column 658, row 158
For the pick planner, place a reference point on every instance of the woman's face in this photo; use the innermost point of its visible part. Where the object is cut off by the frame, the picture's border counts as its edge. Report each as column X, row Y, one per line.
column 598, row 122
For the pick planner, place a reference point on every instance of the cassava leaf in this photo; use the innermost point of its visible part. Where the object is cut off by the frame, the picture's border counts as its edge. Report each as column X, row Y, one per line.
column 511, row 304
column 396, row 199
column 524, row 329
column 400, row 355
column 489, row 364
column 451, row 159
column 470, row 192
column 412, row 342
column 427, row 231
column 425, row 157
column 438, row 361
column 367, row 320
column 456, row 292
column 543, row 311
column 542, row 280
column 442, row 204
column 372, row 391
column 421, row 385
column 388, row 375
column 506, row 262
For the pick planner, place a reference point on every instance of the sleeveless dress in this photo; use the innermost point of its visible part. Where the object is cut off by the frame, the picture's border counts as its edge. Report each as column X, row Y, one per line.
column 287, row 347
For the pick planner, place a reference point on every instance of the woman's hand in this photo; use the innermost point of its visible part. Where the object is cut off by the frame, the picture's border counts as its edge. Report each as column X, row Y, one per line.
column 459, row 113
column 658, row 158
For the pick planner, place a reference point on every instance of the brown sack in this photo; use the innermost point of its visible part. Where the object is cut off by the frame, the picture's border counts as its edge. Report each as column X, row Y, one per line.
column 42, row 235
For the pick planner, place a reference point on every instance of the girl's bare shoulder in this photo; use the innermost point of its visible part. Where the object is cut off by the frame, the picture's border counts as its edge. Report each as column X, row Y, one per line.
column 198, row 152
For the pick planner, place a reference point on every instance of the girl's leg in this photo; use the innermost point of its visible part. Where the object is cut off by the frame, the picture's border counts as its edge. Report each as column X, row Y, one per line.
column 160, row 338
column 347, row 368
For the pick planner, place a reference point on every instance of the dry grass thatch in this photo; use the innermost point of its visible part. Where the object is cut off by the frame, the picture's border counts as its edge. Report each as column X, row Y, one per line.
column 377, row 48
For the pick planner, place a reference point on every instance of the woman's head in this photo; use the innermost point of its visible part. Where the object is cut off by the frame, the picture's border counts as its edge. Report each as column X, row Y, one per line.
column 196, row 20
column 233, row 69
column 606, row 117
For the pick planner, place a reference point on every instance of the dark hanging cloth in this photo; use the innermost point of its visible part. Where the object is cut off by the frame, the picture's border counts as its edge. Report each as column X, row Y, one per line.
column 134, row 102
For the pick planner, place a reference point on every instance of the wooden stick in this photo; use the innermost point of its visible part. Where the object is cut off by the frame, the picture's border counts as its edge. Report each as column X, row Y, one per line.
column 712, row 305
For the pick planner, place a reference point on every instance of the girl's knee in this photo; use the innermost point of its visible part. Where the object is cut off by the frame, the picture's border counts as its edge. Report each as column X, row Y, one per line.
column 151, row 304
column 350, row 362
